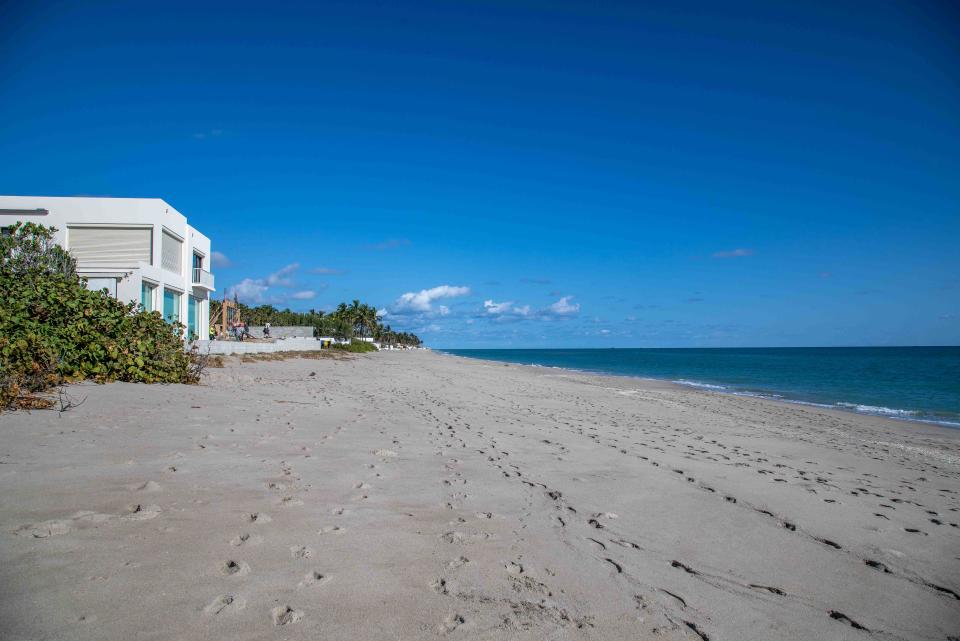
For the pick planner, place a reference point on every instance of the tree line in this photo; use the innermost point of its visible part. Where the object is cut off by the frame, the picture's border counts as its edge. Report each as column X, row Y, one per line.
column 347, row 321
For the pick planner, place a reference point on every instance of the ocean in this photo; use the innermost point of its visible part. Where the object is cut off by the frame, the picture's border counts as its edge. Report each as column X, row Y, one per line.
column 912, row 383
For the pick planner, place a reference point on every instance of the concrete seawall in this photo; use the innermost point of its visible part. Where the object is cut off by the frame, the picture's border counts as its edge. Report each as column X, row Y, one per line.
column 249, row 347
column 283, row 331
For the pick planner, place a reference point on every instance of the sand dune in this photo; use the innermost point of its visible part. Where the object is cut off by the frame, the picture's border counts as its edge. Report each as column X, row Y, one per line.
column 419, row 496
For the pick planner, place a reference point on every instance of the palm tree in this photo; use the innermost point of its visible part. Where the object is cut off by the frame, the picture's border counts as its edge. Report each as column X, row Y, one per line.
column 370, row 320
column 354, row 315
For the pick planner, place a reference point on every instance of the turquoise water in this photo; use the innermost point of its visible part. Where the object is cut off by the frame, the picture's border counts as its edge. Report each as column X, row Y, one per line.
column 915, row 383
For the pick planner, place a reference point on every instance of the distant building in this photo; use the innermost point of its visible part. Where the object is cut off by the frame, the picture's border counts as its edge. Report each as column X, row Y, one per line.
column 138, row 249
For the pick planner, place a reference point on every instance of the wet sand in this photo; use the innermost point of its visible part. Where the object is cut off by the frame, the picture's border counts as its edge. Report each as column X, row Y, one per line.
column 418, row 496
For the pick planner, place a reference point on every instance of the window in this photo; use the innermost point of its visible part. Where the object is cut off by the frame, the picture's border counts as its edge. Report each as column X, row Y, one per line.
column 171, row 251
column 97, row 284
column 171, row 306
column 197, row 261
column 146, row 296
column 122, row 247
column 193, row 318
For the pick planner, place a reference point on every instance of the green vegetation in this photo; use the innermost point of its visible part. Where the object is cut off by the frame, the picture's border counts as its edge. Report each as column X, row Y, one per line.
column 263, row 314
column 356, row 320
column 359, row 320
column 355, row 347
column 53, row 330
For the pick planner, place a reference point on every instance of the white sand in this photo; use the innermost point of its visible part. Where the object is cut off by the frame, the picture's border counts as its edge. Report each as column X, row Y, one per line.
column 419, row 496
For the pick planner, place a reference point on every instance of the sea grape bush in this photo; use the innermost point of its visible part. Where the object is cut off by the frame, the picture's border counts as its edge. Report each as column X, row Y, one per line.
column 53, row 330
column 29, row 249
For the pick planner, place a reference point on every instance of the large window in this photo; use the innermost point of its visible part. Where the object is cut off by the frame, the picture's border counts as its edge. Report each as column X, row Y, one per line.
column 147, row 292
column 172, row 248
column 171, row 306
column 122, row 247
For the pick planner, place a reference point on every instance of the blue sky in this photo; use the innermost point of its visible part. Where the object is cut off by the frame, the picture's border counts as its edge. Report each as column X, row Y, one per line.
column 524, row 174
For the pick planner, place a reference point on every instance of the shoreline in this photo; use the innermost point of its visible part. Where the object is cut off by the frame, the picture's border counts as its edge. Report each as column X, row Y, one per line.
column 476, row 499
column 878, row 412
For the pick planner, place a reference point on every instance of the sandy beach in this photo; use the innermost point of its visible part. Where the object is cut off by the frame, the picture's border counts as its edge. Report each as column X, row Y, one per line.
column 413, row 495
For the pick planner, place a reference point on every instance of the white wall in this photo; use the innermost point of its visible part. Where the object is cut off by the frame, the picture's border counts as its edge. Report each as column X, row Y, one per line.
column 250, row 347
column 155, row 212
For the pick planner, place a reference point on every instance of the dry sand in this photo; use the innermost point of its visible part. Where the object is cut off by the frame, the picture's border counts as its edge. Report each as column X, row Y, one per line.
column 419, row 496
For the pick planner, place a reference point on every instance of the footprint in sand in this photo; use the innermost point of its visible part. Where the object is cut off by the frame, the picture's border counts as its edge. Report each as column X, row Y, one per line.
column 235, row 568
column 300, row 552
column 44, row 530
column 246, row 539
column 463, row 538
column 330, row 529
column 382, row 453
column 284, row 614
column 149, row 486
column 439, row 586
column 514, row 569
column 314, row 579
column 224, row 604
column 258, row 517
column 451, row 623
column 458, row 562
column 142, row 513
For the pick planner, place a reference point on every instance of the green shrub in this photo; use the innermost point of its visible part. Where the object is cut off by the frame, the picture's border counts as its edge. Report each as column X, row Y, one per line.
column 28, row 249
column 53, row 330
column 356, row 347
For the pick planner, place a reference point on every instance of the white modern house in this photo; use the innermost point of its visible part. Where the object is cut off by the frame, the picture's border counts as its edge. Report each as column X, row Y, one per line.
column 138, row 249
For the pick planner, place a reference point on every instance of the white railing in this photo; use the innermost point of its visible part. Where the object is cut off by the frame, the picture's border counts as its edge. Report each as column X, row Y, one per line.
column 202, row 277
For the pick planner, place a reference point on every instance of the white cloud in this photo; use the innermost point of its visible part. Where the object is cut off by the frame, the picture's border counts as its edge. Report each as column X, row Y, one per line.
column 249, row 290
column 306, row 294
column 733, row 253
column 443, row 310
column 255, row 290
column 219, row 259
column 506, row 308
column 422, row 301
column 327, row 271
column 564, row 307
column 497, row 308
column 281, row 277
column 509, row 311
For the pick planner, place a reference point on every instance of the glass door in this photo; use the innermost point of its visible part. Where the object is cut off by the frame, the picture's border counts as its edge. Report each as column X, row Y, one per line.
column 171, row 306
column 146, row 296
column 193, row 311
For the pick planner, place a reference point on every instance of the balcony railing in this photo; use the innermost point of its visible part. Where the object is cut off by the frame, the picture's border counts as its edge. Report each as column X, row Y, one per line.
column 203, row 278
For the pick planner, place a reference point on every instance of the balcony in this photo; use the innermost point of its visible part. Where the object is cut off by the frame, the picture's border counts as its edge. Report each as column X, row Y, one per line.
column 202, row 278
